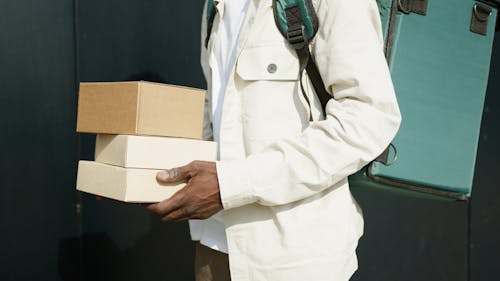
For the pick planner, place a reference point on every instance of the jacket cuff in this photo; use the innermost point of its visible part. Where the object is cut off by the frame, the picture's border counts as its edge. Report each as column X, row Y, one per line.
column 234, row 184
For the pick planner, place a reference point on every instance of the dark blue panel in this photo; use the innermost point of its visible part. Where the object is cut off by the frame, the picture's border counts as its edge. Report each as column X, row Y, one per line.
column 37, row 121
column 132, row 40
column 412, row 239
column 486, row 195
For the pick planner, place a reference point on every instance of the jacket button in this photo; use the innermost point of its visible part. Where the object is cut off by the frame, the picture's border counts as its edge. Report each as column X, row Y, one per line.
column 272, row 68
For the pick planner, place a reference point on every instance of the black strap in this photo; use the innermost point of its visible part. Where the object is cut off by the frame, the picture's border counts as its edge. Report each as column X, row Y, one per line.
column 390, row 31
column 210, row 21
column 304, row 58
column 317, row 81
column 307, row 62
column 297, row 38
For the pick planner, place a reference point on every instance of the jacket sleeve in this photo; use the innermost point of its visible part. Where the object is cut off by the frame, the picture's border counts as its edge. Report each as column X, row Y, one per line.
column 360, row 122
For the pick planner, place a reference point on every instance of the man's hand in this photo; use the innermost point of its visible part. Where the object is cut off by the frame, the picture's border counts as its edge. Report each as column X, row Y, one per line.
column 199, row 199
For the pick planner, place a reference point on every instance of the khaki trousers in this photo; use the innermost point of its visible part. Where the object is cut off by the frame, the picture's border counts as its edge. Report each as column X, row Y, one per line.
column 211, row 265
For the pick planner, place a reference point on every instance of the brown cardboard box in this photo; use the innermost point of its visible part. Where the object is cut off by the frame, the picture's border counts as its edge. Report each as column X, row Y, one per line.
column 151, row 152
column 124, row 184
column 140, row 108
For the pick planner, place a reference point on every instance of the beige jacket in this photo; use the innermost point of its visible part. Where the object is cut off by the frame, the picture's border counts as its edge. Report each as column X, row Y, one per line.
column 289, row 213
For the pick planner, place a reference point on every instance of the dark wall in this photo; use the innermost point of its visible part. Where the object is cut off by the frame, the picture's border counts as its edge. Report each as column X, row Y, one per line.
column 133, row 39
column 412, row 239
column 485, row 213
column 37, row 121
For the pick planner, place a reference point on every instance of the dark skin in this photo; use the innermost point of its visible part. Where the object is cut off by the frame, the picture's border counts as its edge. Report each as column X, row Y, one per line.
column 199, row 199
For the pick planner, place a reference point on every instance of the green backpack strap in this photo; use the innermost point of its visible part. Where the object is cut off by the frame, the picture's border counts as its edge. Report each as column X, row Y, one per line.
column 298, row 22
column 296, row 18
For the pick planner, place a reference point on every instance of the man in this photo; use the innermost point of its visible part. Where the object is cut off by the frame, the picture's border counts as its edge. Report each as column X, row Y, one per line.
column 281, row 180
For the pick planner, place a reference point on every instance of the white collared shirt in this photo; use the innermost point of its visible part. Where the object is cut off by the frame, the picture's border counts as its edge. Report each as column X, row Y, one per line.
column 211, row 232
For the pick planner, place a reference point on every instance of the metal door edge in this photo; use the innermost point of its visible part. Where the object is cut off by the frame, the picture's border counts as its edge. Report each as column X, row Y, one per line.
column 414, row 187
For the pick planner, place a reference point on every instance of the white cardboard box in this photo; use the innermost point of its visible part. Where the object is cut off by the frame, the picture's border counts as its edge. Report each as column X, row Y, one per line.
column 126, row 166
column 152, row 152
column 124, row 184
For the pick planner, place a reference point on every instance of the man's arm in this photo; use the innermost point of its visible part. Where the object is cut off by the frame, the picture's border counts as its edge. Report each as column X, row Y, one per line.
column 360, row 122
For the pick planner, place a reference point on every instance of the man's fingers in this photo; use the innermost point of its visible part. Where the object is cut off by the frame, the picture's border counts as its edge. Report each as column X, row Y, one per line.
column 146, row 205
column 177, row 215
column 163, row 208
column 167, row 206
column 178, row 174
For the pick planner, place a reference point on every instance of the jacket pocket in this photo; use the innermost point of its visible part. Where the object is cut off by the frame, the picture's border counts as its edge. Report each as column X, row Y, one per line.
column 268, row 62
column 267, row 79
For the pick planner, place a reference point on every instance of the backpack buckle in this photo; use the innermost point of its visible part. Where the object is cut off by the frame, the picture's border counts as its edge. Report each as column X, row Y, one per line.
column 297, row 37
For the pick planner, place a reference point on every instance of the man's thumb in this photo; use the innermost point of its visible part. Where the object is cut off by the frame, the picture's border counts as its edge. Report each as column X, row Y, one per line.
column 163, row 176
column 168, row 176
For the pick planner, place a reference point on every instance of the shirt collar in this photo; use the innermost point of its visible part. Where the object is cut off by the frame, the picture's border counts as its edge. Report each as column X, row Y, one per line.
column 220, row 4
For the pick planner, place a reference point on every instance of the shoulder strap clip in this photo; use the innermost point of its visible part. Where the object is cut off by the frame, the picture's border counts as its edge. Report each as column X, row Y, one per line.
column 296, row 36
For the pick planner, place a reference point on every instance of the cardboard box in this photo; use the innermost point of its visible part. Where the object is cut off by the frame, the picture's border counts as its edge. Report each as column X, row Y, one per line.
column 124, row 184
column 151, row 152
column 140, row 108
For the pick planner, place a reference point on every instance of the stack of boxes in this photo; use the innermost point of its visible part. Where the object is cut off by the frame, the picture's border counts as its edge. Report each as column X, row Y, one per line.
column 141, row 128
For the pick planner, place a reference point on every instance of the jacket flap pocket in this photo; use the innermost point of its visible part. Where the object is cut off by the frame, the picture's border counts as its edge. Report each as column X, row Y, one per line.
column 268, row 63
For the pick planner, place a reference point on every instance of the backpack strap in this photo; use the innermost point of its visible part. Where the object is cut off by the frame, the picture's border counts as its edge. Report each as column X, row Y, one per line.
column 293, row 15
column 211, row 12
column 298, row 22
